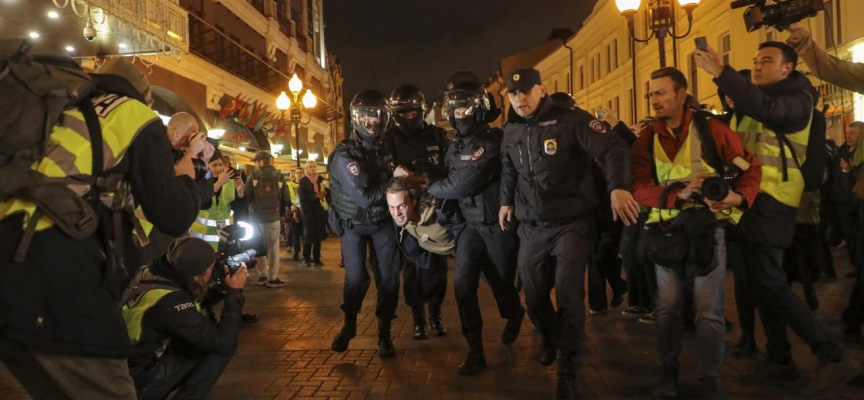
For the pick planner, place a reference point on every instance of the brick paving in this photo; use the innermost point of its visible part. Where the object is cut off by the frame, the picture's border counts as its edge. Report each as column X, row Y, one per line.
column 287, row 356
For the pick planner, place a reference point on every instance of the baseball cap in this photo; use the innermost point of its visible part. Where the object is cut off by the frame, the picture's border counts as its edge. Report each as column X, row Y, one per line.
column 523, row 80
column 190, row 256
column 262, row 155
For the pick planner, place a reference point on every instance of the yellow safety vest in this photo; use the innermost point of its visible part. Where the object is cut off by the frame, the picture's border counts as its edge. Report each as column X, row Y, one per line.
column 69, row 151
column 325, row 184
column 687, row 165
column 763, row 143
column 219, row 215
column 294, row 191
column 136, row 306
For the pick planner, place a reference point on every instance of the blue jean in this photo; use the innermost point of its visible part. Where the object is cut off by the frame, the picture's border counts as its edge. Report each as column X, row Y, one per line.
column 710, row 319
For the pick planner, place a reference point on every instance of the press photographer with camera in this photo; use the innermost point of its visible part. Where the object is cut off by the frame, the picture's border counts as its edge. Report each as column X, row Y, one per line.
column 174, row 345
column 672, row 161
column 777, row 114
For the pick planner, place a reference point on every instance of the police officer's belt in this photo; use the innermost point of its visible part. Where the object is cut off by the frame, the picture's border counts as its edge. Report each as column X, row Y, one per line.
column 547, row 223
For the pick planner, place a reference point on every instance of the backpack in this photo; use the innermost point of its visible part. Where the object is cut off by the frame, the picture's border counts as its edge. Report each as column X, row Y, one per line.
column 813, row 168
column 36, row 91
column 267, row 193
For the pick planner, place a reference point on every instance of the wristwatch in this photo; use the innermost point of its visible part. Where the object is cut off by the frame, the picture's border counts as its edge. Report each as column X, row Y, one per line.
column 744, row 204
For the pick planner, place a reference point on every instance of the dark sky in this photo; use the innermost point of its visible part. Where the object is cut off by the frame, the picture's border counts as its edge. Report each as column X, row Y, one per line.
column 386, row 43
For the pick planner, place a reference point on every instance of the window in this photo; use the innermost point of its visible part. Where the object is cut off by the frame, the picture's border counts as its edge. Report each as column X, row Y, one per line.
column 597, row 59
column 694, row 77
column 617, row 106
column 581, row 77
column 593, row 71
column 647, row 98
column 569, row 83
column 608, row 58
column 615, row 54
column 632, row 106
column 726, row 47
column 832, row 23
column 771, row 36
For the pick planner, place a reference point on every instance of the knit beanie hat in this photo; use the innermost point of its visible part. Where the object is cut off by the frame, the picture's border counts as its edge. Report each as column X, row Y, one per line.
column 190, row 256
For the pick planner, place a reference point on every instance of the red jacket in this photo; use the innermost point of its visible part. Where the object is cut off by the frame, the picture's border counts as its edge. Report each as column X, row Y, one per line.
column 728, row 147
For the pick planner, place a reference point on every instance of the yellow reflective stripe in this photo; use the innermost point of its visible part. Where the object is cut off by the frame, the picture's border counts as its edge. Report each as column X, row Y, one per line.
column 212, row 222
column 212, row 239
column 69, row 149
column 776, row 162
column 771, row 139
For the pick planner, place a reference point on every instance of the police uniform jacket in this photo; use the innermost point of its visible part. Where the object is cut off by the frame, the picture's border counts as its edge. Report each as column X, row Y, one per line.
column 546, row 163
column 421, row 152
column 59, row 300
column 175, row 316
column 474, row 179
column 359, row 174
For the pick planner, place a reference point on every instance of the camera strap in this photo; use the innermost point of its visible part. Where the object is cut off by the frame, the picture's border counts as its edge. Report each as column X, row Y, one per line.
column 709, row 147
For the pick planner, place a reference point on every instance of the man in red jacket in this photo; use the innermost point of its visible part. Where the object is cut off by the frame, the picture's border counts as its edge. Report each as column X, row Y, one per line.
column 670, row 163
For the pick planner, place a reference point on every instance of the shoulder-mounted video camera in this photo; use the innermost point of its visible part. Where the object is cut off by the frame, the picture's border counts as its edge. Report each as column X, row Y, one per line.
column 779, row 14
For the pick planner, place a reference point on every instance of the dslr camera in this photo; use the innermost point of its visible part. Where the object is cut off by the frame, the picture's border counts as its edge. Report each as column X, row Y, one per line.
column 779, row 14
column 237, row 244
column 198, row 164
column 716, row 188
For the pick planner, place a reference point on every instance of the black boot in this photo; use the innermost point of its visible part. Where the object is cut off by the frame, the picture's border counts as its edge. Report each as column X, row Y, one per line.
column 566, row 389
column 514, row 325
column 419, row 323
column 349, row 330
column 476, row 360
column 745, row 348
column 385, row 340
column 435, row 322
column 548, row 350
column 668, row 385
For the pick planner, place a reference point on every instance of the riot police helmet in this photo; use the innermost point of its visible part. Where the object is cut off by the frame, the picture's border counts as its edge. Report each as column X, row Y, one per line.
column 467, row 100
column 407, row 108
column 369, row 114
column 563, row 98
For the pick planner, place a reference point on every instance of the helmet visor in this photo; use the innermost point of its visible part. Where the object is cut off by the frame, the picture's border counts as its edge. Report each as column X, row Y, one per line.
column 368, row 120
column 461, row 104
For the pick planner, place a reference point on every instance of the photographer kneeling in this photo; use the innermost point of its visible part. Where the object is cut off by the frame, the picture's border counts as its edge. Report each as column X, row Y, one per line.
column 174, row 345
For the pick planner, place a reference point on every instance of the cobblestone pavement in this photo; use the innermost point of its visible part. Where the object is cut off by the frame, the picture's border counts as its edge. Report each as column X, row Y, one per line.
column 287, row 355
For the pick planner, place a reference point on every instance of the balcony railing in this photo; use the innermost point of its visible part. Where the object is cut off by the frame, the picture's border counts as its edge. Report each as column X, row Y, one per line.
column 163, row 21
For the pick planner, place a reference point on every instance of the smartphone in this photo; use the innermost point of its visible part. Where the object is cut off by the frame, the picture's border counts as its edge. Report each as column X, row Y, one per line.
column 600, row 114
column 702, row 43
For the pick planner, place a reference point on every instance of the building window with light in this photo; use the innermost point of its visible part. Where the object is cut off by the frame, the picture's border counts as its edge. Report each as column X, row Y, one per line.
column 581, row 77
column 694, row 77
column 726, row 48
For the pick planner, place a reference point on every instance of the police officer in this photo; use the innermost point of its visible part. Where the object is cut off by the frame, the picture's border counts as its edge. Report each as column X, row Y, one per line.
column 419, row 148
column 546, row 174
column 474, row 183
column 360, row 168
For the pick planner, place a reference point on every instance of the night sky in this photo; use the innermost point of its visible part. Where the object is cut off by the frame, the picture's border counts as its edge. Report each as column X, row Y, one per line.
column 382, row 44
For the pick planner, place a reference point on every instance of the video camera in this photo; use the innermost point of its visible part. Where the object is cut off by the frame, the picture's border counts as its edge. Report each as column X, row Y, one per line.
column 779, row 15
column 237, row 244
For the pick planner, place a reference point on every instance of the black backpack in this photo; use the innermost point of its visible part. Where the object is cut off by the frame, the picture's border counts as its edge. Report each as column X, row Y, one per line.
column 36, row 91
column 813, row 168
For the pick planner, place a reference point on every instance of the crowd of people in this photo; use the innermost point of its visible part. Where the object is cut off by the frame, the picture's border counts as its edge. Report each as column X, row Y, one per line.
column 675, row 200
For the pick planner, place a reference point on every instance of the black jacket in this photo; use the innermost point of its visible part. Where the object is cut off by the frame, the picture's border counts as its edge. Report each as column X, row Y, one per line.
column 421, row 152
column 175, row 317
column 785, row 106
column 474, row 179
column 546, row 161
column 59, row 299
column 359, row 173
column 313, row 215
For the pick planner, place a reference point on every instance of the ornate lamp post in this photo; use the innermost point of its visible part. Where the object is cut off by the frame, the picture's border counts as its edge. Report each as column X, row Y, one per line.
column 661, row 17
column 283, row 103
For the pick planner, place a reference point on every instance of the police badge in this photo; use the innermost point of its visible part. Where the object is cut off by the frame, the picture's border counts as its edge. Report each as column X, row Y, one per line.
column 550, row 146
column 477, row 154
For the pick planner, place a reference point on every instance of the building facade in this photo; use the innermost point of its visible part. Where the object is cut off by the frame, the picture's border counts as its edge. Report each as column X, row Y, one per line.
column 603, row 68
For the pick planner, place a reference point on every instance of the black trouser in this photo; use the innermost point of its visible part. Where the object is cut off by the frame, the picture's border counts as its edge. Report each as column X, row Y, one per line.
column 744, row 301
column 640, row 293
column 571, row 246
column 386, row 271
column 606, row 267
column 425, row 285
column 312, row 250
column 296, row 236
column 491, row 252
column 779, row 307
column 853, row 315
column 190, row 371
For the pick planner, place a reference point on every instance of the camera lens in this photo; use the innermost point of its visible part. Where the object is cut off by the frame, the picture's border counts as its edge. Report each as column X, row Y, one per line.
column 715, row 189
column 200, row 168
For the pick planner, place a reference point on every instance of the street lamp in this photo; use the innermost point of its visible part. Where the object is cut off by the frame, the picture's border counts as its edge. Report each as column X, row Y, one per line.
column 283, row 103
column 661, row 17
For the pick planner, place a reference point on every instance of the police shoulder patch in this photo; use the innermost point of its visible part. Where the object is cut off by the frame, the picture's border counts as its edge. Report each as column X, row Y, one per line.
column 478, row 153
column 597, row 126
column 354, row 168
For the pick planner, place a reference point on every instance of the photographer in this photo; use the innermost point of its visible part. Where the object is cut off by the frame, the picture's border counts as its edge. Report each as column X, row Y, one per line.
column 162, row 306
column 663, row 156
column 777, row 107
column 216, row 213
